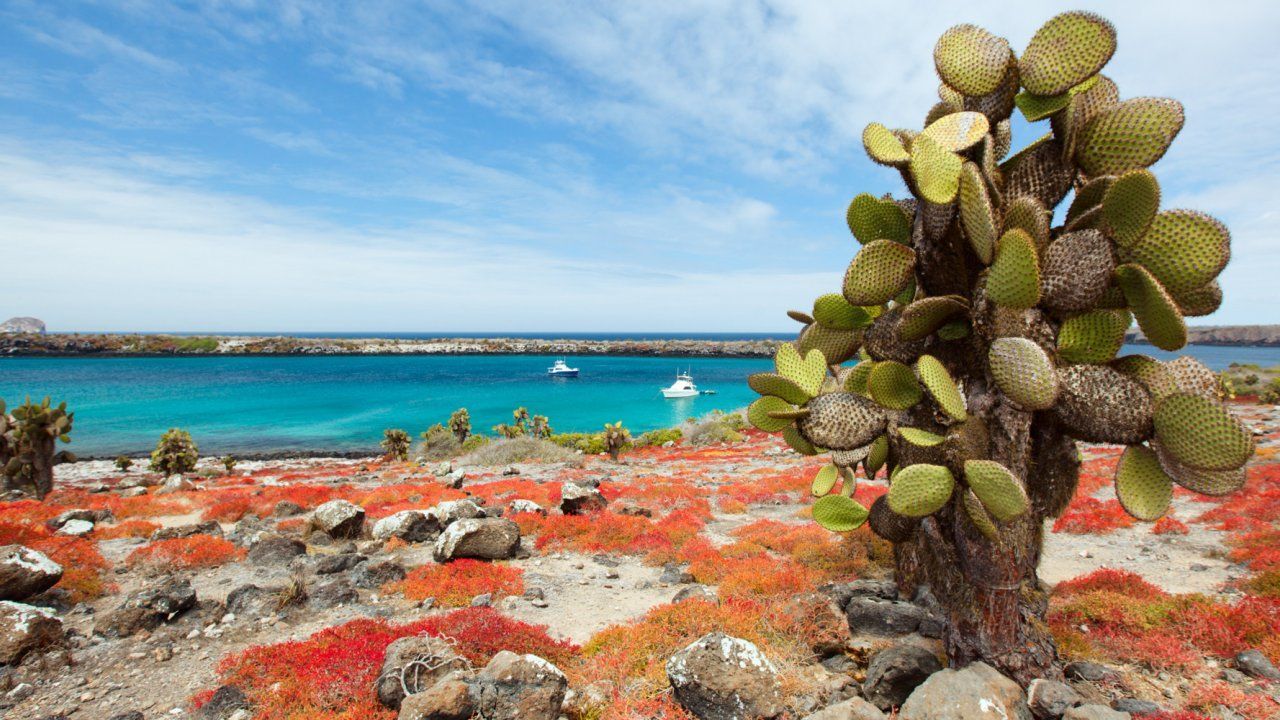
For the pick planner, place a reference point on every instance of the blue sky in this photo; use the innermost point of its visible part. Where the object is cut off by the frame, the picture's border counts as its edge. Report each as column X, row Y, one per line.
column 378, row 165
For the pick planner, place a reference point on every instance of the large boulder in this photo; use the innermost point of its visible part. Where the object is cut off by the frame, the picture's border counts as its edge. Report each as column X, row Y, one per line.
column 146, row 609
column 1094, row 712
column 19, row 325
column 25, row 628
column 416, row 662
column 66, row 516
column 895, row 672
column 870, row 615
column 1253, row 662
column 482, row 538
column 408, row 525
column 826, row 628
column 275, row 550
column 25, row 572
column 720, row 677
column 974, row 692
column 449, row 699
column 519, row 687
column 854, row 708
column 1049, row 699
column 451, row 511
column 339, row 519
column 578, row 499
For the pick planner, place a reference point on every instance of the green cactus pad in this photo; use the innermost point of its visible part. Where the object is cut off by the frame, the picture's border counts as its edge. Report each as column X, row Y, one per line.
column 893, row 385
column 1093, row 337
column 856, row 382
column 796, row 441
column 880, row 270
column 1202, row 433
column 1086, row 101
column 1002, row 139
column 936, row 171
column 1027, row 214
column 1088, row 197
column 833, row 311
column 971, row 60
column 800, row 317
column 922, row 317
column 1201, row 301
column 1148, row 372
column 979, row 516
column 1184, row 249
column 890, row 525
column 1024, row 372
column 921, row 438
column 883, row 146
column 1142, row 487
column 1014, row 279
column 954, row 331
column 1077, row 271
column 1099, row 404
column 941, row 387
column 1134, row 134
column 1157, row 313
column 1039, row 107
column 807, row 372
column 920, row 490
column 1040, row 172
column 778, row 386
column 836, row 346
column 838, row 513
column 977, row 214
column 948, row 94
column 841, row 421
column 759, row 413
column 1206, row 482
column 1129, row 205
column 877, row 456
column 957, row 132
column 825, row 480
column 871, row 218
column 1000, row 491
column 1191, row 376
column 1065, row 51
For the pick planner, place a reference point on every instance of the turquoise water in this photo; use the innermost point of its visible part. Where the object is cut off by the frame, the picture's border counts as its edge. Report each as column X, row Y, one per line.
column 262, row 404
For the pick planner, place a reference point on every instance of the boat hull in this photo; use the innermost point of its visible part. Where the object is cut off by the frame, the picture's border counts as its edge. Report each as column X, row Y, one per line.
column 563, row 373
column 679, row 393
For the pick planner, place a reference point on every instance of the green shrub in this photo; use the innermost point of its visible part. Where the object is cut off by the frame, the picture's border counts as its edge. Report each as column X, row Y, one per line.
column 196, row 344
column 123, row 463
column 716, row 427
column 616, row 439
column 660, row 437
column 229, row 463
column 460, row 424
column 588, row 443
column 475, row 442
column 396, row 444
column 439, row 443
column 506, row 451
column 176, row 453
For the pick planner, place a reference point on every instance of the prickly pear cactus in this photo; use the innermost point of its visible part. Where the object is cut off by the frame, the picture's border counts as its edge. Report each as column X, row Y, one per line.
column 616, row 438
column 175, row 453
column 28, row 440
column 460, row 424
column 973, row 342
column 395, row 442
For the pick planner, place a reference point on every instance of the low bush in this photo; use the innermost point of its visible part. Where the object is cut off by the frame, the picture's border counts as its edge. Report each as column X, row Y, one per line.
column 715, row 428
column 454, row 584
column 588, row 443
column 438, row 443
column 518, row 449
column 197, row 551
column 658, row 438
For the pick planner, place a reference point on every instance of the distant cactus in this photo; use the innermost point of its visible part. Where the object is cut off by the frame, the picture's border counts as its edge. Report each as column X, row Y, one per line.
column 176, row 453
column 395, row 442
column 123, row 463
column 228, row 463
column 540, row 427
column 520, row 418
column 616, row 439
column 460, row 424
column 28, row 444
column 984, row 340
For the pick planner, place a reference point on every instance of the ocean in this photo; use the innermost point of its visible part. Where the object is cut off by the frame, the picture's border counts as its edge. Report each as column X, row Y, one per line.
column 343, row 402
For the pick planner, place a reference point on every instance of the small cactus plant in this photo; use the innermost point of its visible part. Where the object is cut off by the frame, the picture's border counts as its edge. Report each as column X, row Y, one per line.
column 175, row 453
column 123, row 463
column 395, row 442
column 228, row 463
column 982, row 340
column 540, row 427
column 460, row 424
column 28, row 444
column 616, row 439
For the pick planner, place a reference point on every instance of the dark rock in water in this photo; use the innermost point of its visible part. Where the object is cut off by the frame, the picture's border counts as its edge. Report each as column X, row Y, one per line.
column 19, row 325
column 895, row 672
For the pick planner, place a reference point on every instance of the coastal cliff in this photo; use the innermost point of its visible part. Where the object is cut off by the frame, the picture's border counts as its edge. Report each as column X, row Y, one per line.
column 1233, row 335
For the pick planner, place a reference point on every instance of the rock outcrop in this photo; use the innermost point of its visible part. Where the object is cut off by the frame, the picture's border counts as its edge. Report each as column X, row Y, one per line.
column 720, row 677
column 25, row 572
column 19, row 325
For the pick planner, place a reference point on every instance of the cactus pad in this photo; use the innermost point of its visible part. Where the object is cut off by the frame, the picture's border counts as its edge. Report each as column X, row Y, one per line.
column 836, row 346
column 871, row 218
column 893, row 385
column 1023, row 372
column 880, row 270
column 806, row 372
column 1142, row 487
column 1077, row 271
column 936, row 171
column 1129, row 205
column 1184, row 249
column 1191, row 376
column 920, row 438
column 833, row 311
column 1039, row 107
column 1065, row 51
column 779, row 386
column 941, row 387
column 979, row 516
column 1148, row 372
column 1093, row 337
column 959, row 131
column 1100, row 404
column 841, row 421
column 883, row 146
column 1000, row 491
column 1157, row 314
column 922, row 317
column 1038, row 172
column 890, row 525
column 1134, row 134
column 1202, row 433
column 1014, row 279
column 1027, row 214
column 838, row 513
column 825, row 479
column 1201, row 301
column 760, row 413
column 1088, row 197
column 796, row 441
column 856, row 381
column 1205, row 482
column 920, row 490
column 971, row 60
column 977, row 214
column 877, row 455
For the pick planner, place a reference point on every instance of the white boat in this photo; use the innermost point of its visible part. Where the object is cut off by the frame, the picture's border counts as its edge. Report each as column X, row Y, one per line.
column 560, row 369
column 682, row 387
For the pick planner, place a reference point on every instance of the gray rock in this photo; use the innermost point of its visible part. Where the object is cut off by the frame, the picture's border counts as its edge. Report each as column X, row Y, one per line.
column 719, row 677
column 449, row 699
column 175, row 484
column 974, row 692
column 1253, row 662
column 210, row 527
column 339, row 519
column 25, row 572
column 482, row 538
column 521, row 505
column 1049, row 699
column 21, row 325
column 578, row 499
column 25, row 629
column 331, row 564
column 332, row 594
column 223, row 705
column 417, row 660
column 76, row 528
column 895, row 672
column 275, row 550
column 883, row 618
column 408, row 525
column 372, row 576
column 1135, row 706
column 519, row 687
column 696, row 591
column 1234, row 676
column 675, row 574
column 451, row 511
column 854, row 708
column 253, row 601
column 93, row 516
column 134, row 715
column 1094, row 712
column 1088, row 671
column 287, row 508
column 148, row 608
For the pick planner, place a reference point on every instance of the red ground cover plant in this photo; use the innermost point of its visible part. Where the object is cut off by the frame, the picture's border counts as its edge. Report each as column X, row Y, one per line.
column 1088, row 516
column 1209, row 696
column 454, row 584
column 1169, row 525
column 126, row 529
column 197, row 551
column 331, row 673
column 657, row 540
column 83, row 567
